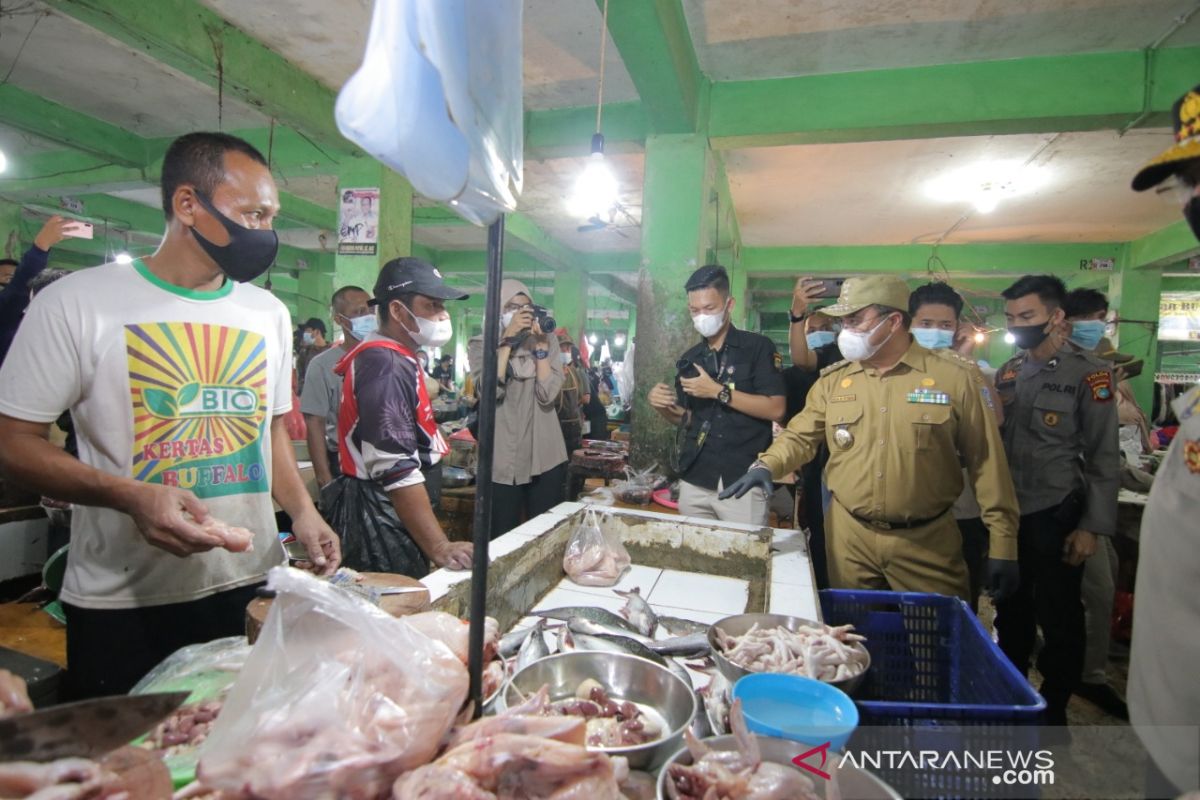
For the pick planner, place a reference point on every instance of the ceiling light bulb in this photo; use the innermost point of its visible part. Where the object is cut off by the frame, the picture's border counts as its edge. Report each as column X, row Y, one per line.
column 619, row 340
column 596, row 189
column 980, row 337
column 123, row 258
column 985, row 202
column 593, row 338
column 1009, row 338
column 3, row 161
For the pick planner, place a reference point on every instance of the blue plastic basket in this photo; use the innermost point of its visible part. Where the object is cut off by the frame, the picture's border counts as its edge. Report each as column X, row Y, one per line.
column 937, row 682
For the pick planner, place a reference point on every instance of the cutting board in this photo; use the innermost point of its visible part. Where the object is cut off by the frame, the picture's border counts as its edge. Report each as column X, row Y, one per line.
column 398, row 605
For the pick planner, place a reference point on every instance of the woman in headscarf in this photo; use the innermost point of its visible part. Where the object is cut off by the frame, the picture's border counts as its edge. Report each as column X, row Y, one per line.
column 529, row 462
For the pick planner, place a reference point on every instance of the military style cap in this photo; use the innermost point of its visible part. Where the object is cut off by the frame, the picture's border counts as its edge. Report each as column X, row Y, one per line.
column 1185, row 117
column 858, row 293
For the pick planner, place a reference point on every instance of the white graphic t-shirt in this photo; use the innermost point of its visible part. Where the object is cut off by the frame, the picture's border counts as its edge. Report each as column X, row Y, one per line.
column 165, row 385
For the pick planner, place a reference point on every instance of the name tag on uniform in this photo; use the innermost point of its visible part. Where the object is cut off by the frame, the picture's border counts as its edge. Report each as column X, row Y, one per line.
column 929, row 397
column 841, row 398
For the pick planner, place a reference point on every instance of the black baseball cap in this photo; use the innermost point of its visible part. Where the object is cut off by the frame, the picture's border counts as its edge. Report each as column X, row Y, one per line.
column 1185, row 118
column 412, row 276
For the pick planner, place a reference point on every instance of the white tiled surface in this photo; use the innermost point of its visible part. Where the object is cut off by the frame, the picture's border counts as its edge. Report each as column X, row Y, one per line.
column 796, row 601
column 703, row 617
column 689, row 590
column 560, row 597
column 642, row 578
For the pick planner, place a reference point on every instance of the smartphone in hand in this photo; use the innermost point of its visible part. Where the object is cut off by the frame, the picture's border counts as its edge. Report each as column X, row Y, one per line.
column 79, row 230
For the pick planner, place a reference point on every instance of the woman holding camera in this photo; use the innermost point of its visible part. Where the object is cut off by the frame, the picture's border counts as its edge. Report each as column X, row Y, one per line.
column 529, row 462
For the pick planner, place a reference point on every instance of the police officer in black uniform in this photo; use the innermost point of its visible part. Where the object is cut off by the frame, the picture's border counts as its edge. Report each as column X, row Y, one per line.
column 728, row 390
column 1060, row 435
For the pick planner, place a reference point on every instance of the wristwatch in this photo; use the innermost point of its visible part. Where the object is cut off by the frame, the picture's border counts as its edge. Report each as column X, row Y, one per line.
column 541, row 354
column 725, row 395
column 796, row 319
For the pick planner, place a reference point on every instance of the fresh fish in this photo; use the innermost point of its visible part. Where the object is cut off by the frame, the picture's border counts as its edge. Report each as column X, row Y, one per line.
column 534, row 647
column 678, row 626
column 510, row 643
column 562, row 640
column 618, row 644
column 691, row 645
column 638, row 611
column 590, row 613
column 581, row 625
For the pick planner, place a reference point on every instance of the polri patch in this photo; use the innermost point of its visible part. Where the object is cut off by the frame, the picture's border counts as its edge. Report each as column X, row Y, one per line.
column 1191, row 455
column 1050, row 418
column 1101, row 385
column 778, row 358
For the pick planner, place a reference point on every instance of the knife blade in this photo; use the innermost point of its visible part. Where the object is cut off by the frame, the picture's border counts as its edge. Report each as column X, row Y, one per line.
column 86, row 729
column 401, row 590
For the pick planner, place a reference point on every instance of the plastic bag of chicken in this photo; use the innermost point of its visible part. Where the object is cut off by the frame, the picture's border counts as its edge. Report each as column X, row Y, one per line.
column 336, row 699
column 594, row 556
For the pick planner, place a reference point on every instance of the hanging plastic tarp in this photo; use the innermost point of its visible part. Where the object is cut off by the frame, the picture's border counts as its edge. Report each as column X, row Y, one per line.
column 438, row 99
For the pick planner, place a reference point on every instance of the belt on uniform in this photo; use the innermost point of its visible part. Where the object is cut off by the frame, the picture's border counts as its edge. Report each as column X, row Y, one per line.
column 884, row 525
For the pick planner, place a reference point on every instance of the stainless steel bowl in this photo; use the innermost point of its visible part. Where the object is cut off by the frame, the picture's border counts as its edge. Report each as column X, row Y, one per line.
column 624, row 677
column 738, row 624
column 851, row 781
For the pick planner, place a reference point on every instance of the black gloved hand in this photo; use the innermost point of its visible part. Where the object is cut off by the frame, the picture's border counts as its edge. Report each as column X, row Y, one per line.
column 1003, row 578
column 757, row 477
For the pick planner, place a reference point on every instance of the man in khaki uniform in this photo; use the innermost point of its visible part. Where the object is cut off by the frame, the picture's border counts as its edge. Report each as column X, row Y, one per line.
column 897, row 419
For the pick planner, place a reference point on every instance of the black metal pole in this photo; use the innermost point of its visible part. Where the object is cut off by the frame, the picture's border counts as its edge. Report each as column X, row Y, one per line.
column 486, row 446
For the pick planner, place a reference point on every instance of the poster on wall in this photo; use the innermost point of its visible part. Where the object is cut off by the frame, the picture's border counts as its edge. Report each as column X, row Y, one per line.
column 358, row 222
column 1179, row 317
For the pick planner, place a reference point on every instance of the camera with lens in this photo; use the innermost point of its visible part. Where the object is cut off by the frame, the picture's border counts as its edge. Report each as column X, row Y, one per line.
column 541, row 316
column 686, row 368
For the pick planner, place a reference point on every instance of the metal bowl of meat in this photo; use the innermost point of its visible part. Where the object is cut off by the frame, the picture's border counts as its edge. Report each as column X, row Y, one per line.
column 833, row 655
column 787, row 781
column 640, row 713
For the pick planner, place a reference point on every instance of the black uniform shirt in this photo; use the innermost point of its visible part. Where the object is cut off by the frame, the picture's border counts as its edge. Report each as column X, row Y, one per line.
column 747, row 362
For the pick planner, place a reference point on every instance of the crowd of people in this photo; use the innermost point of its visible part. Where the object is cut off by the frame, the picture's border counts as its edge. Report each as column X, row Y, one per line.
column 920, row 468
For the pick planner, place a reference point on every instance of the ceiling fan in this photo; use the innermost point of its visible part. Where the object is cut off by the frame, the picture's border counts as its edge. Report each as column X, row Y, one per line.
column 598, row 223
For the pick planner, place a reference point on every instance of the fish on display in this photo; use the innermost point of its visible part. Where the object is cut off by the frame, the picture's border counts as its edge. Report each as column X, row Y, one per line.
column 618, row 644
column 534, row 647
column 510, row 643
column 590, row 613
column 581, row 625
column 638, row 611
column 562, row 640
column 691, row 645
column 678, row 626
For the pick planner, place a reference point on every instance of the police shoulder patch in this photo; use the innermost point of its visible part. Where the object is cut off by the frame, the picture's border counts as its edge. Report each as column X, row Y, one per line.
column 1100, row 382
column 835, row 366
column 778, row 359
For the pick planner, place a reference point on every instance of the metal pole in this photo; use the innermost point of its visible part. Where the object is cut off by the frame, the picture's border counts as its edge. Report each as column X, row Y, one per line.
column 486, row 445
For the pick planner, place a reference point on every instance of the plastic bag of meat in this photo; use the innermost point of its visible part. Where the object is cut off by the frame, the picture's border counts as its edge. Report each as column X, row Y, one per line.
column 594, row 556
column 337, row 699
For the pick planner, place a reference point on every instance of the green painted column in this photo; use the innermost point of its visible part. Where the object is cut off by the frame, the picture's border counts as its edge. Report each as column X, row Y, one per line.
column 395, row 221
column 739, row 285
column 570, row 300
column 10, row 230
column 315, row 292
column 677, row 179
column 1135, row 293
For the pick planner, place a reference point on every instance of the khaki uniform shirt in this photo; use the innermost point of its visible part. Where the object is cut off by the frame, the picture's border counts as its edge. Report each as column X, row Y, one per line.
column 1060, row 434
column 529, row 440
column 899, row 442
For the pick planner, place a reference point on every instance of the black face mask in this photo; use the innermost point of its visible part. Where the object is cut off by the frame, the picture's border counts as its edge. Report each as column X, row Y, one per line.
column 1029, row 336
column 1191, row 212
column 249, row 253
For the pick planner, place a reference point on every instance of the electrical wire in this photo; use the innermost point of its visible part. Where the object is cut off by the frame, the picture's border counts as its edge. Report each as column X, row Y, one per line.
column 21, row 49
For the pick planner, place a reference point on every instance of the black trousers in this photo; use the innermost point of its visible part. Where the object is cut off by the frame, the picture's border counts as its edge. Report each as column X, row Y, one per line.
column 976, row 539
column 1049, row 596
column 109, row 650
column 511, row 505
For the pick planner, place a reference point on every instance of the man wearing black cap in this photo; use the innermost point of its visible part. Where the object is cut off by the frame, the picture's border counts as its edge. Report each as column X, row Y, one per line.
column 1163, row 693
column 389, row 445
column 728, row 391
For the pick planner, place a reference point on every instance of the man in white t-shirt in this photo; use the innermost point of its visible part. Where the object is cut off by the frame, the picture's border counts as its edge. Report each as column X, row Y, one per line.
column 177, row 373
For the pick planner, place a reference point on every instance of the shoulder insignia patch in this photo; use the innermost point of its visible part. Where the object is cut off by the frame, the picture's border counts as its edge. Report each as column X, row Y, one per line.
column 987, row 397
column 835, row 366
column 1100, row 383
column 778, row 358
column 1191, row 455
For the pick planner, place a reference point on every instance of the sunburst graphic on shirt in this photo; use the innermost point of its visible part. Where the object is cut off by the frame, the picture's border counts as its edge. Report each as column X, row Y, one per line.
column 198, row 393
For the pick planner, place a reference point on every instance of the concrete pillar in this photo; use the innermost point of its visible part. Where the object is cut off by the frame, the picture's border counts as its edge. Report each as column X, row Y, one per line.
column 676, row 185
column 1136, row 293
column 316, row 290
column 395, row 222
column 739, row 285
column 570, row 300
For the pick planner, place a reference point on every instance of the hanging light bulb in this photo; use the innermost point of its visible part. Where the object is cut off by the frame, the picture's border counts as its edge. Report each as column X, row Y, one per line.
column 1009, row 338
column 593, row 338
column 595, row 192
column 123, row 258
column 596, row 188
column 619, row 340
column 3, row 161
column 980, row 337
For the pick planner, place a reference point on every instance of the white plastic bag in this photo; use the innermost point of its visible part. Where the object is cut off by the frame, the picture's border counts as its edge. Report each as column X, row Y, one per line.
column 336, row 699
column 438, row 98
column 595, row 556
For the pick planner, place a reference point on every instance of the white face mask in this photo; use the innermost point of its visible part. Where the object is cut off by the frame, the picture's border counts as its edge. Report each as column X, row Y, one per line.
column 566, row 358
column 506, row 318
column 708, row 324
column 856, row 346
column 430, row 333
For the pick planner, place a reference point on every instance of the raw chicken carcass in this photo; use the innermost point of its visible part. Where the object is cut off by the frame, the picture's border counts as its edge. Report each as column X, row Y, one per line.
column 454, row 632
column 127, row 773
